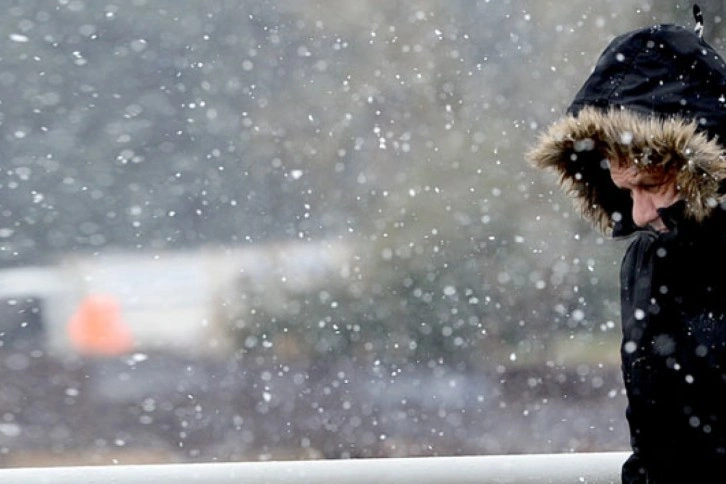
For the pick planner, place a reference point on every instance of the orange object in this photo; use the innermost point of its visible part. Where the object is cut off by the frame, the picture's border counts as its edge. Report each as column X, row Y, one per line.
column 96, row 328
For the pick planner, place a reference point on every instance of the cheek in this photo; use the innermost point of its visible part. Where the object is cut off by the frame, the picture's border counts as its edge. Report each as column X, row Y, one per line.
column 667, row 197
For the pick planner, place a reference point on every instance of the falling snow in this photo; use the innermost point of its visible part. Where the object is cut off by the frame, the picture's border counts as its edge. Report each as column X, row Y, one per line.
column 271, row 230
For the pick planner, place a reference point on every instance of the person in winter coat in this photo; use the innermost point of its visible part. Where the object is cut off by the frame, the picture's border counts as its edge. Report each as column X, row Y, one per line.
column 641, row 152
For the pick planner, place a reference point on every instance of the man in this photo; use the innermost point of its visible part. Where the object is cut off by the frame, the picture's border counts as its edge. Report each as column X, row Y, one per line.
column 640, row 152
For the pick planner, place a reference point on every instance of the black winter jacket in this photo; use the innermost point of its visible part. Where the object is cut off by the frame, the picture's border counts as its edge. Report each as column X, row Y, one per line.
column 657, row 98
column 674, row 350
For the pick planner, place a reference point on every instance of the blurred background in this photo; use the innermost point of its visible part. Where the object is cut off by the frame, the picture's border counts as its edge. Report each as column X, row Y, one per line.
column 284, row 230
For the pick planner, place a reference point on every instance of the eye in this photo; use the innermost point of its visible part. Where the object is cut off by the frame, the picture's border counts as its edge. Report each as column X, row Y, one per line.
column 650, row 187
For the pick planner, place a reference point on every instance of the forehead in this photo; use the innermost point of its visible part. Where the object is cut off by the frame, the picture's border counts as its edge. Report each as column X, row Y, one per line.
column 635, row 173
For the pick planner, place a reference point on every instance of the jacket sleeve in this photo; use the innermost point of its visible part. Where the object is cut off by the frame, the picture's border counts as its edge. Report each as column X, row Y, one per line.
column 631, row 346
column 633, row 471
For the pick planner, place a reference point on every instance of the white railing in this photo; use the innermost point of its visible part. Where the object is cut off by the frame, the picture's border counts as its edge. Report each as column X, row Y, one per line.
column 590, row 468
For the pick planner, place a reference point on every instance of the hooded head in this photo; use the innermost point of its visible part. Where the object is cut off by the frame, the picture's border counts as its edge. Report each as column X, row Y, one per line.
column 656, row 100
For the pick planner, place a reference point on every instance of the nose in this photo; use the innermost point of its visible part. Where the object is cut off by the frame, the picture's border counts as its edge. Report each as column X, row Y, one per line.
column 644, row 209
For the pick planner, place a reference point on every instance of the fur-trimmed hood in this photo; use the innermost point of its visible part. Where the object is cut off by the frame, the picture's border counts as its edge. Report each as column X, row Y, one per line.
column 579, row 148
column 656, row 98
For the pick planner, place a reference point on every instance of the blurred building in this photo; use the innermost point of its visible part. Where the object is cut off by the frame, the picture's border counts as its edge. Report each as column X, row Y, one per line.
column 172, row 301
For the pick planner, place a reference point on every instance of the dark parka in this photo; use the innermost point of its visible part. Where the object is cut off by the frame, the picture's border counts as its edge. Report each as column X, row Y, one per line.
column 657, row 98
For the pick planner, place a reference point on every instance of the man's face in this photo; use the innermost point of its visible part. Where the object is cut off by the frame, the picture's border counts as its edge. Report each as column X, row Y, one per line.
column 649, row 189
